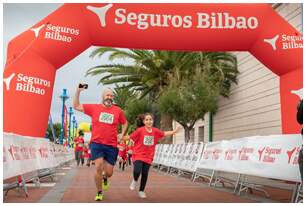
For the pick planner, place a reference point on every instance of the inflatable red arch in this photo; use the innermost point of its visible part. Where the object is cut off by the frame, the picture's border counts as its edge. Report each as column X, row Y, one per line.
column 35, row 55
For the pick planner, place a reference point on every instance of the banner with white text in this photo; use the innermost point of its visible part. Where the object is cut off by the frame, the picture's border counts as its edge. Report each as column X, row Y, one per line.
column 26, row 154
column 274, row 156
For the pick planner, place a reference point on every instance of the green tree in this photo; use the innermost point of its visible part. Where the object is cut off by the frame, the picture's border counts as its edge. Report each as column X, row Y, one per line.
column 57, row 131
column 134, row 108
column 189, row 101
column 122, row 95
column 220, row 67
column 152, row 71
column 149, row 72
column 129, row 101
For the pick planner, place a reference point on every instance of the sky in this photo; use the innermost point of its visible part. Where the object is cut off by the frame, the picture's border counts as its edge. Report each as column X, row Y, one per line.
column 19, row 17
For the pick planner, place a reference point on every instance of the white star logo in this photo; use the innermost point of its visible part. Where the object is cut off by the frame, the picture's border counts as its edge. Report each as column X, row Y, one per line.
column 37, row 29
column 299, row 93
column 272, row 41
column 100, row 12
column 7, row 81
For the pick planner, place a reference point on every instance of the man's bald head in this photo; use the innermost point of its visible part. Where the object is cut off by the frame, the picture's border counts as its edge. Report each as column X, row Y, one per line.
column 107, row 93
column 107, row 97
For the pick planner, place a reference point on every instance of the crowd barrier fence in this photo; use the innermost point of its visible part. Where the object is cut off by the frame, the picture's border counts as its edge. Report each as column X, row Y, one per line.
column 28, row 159
column 272, row 157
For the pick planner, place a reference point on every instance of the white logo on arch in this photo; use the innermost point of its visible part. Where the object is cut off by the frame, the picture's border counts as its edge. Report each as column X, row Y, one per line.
column 7, row 81
column 299, row 93
column 100, row 12
column 37, row 29
column 272, row 41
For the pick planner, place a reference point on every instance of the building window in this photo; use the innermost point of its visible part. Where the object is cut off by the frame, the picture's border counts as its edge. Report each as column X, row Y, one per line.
column 201, row 134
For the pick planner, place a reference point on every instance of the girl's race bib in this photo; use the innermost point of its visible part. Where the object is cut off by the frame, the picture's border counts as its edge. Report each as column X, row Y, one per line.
column 148, row 140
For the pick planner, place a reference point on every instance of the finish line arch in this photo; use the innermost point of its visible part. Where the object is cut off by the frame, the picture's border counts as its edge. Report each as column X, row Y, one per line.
column 34, row 56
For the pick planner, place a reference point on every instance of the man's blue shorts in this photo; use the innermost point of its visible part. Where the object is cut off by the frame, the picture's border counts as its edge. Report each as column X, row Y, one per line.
column 107, row 152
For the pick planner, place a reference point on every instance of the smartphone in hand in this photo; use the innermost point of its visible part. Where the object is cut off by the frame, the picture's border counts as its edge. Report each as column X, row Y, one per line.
column 85, row 86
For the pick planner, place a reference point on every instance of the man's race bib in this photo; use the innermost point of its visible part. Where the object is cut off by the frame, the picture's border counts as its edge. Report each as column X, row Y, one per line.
column 106, row 118
column 148, row 140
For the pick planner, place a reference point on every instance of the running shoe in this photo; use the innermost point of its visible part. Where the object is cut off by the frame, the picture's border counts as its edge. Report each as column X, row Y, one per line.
column 105, row 185
column 142, row 194
column 133, row 185
column 99, row 197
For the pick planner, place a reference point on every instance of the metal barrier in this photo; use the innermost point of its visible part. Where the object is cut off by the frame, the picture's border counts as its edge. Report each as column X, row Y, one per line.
column 297, row 194
column 245, row 186
column 241, row 183
column 12, row 185
column 207, row 174
column 19, row 182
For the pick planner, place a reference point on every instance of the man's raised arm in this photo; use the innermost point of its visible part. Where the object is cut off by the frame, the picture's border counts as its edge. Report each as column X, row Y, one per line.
column 76, row 100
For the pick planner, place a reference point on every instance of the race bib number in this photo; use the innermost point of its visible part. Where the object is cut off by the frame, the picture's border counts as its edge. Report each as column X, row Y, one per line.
column 106, row 118
column 148, row 140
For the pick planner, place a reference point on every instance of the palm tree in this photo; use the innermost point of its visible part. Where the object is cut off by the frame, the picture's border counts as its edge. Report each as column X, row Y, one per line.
column 151, row 72
column 128, row 100
column 221, row 67
column 122, row 94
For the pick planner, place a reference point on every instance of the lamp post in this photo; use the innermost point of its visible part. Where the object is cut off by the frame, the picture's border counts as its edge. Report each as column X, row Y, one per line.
column 76, row 128
column 69, row 133
column 73, row 126
column 63, row 97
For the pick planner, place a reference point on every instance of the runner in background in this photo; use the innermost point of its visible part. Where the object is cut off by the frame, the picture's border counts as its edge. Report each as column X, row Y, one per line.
column 145, row 139
column 82, row 157
column 87, row 154
column 122, row 154
column 79, row 143
column 129, row 152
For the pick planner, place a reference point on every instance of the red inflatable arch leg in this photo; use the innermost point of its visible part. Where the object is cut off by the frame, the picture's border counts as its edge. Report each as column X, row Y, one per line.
column 32, row 60
column 25, row 109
